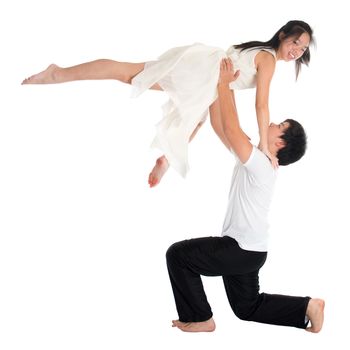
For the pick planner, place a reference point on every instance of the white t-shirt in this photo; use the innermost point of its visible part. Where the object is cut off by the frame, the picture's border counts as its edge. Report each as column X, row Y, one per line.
column 249, row 200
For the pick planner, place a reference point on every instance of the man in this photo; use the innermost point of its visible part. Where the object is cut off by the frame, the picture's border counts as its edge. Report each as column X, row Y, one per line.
column 242, row 249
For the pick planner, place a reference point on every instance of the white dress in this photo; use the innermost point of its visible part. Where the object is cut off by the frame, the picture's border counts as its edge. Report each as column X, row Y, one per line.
column 189, row 75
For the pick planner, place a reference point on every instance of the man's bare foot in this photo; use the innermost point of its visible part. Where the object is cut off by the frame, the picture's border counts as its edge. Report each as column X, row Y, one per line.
column 175, row 323
column 314, row 312
column 47, row 76
column 206, row 326
column 158, row 171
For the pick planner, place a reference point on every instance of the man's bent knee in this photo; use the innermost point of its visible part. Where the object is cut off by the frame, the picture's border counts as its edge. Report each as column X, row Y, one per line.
column 174, row 252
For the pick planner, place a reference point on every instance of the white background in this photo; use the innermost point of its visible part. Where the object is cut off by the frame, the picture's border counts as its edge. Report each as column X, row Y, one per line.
column 83, row 238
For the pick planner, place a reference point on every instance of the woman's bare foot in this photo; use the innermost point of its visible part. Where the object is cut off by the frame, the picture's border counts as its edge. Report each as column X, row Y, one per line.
column 158, row 171
column 314, row 312
column 47, row 76
column 206, row 326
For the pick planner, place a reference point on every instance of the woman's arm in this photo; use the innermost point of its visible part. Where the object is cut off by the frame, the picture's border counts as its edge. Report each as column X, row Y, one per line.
column 265, row 64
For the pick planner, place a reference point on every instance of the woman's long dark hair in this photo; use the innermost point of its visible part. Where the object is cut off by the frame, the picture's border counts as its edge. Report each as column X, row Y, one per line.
column 291, row 29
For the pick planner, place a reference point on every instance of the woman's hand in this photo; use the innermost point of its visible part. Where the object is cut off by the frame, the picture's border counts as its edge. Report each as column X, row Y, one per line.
column 226, row 72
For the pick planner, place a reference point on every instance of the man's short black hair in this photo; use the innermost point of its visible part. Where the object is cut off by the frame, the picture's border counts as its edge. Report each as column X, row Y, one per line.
column 295, row 143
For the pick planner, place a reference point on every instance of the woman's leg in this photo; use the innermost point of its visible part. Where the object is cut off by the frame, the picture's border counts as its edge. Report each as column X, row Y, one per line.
column 159, row 169
column 162, row 164
column 94, row 70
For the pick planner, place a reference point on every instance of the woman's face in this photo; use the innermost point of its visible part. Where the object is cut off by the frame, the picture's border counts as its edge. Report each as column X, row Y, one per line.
column 293, row 48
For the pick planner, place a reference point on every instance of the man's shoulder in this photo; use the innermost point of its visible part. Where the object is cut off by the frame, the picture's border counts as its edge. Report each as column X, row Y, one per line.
column 259, row 165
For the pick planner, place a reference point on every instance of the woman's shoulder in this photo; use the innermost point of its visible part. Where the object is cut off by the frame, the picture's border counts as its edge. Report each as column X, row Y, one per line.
column 266, row 53
column 266, row 57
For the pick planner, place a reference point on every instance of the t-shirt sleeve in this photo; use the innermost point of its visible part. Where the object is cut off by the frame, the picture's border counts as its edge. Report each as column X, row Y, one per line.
column 259, row 166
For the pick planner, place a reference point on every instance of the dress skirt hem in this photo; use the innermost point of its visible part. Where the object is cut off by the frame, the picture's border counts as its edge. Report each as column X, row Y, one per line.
column 189, row 76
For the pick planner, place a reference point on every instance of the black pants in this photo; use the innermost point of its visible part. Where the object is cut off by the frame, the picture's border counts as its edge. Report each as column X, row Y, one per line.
column 222, row 256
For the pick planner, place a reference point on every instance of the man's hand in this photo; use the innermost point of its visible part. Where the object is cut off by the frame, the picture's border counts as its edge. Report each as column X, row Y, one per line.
column 226, row 72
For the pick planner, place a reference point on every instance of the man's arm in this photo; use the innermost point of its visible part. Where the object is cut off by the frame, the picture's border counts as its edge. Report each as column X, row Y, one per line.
column 237, row 140
column 216, row 122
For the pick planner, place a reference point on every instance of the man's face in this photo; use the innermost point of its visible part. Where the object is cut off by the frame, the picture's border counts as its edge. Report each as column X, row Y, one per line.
column 276, row 131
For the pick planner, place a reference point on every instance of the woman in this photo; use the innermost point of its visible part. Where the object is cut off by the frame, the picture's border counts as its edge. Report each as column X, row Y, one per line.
column 189, row 75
